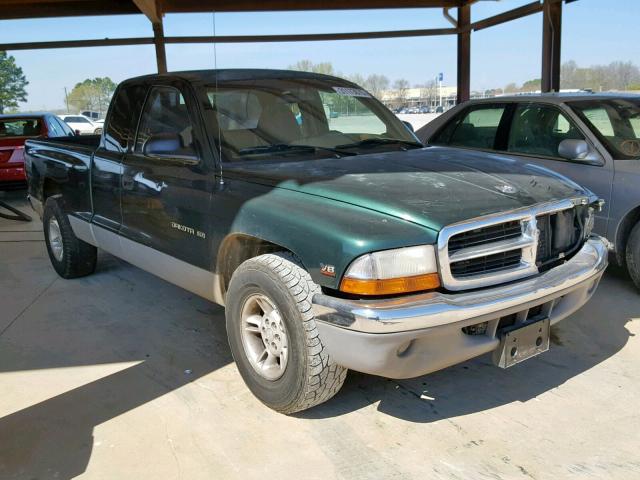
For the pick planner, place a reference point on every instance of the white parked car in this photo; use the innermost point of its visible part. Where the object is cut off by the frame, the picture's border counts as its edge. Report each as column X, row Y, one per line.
column 83, row 125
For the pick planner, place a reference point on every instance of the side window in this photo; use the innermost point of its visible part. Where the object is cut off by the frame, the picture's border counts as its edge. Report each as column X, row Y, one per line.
column 54, row 129
column 165, row 115
column 66, row 129
column 599, row 117
column 635, row 124
column 478, row 128
column 539, row 129
column 123, row 116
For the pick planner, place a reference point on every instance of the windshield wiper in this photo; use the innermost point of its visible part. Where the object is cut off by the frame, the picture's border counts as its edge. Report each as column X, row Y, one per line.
column 285, row 148
column 380, row 141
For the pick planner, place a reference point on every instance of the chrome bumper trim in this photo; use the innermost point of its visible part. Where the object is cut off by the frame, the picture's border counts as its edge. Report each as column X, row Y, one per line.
column 436, row 309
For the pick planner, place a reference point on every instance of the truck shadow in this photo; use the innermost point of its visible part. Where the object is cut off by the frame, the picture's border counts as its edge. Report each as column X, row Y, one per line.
column 579, row 343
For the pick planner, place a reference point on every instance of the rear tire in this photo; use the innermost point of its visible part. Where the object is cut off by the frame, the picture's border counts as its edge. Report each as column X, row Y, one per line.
column 633, row 255
column 285, row 365
column 70, row 256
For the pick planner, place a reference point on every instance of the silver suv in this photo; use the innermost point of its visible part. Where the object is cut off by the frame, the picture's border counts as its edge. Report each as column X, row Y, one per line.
column 594, row 139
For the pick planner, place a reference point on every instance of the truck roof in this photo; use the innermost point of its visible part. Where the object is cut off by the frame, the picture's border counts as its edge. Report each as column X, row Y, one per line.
column 208, row 76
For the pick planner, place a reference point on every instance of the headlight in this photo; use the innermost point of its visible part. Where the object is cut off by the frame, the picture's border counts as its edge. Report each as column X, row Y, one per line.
column 401, row 270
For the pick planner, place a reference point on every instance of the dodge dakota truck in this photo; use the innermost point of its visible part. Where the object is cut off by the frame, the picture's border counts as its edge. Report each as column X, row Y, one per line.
column 334, row 240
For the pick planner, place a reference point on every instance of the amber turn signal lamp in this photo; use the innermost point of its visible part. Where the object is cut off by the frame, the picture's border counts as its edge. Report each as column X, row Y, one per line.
column 390, row 286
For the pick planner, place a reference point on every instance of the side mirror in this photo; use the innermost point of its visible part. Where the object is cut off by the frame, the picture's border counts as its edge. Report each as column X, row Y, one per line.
column 168, row 145
column 77, row 132
column 408, row 125
column 577, row 150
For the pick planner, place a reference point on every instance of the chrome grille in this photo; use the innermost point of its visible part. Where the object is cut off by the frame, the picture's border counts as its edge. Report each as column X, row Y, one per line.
column 479, row 236
column 498, row 248
column 486, row 264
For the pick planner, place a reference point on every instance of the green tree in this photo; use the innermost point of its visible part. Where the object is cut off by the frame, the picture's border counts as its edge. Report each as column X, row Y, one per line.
column 511, row 88
column 617, row 75
column 92, row 94
column 12, row 83
column 532, row 85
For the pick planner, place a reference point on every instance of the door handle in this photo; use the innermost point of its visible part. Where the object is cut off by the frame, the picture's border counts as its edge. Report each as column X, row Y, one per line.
column 147, row 182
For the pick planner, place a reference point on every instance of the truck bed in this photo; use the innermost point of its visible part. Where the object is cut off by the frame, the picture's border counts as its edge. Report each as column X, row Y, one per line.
column 91, row 141
column 59, row 165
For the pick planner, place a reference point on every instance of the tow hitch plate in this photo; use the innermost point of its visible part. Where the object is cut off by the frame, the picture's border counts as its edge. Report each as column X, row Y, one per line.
column 521, row 342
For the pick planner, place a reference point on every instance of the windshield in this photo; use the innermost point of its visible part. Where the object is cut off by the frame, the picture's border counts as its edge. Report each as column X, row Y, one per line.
column 23, row 127
column 303, row 117
column 616, row 122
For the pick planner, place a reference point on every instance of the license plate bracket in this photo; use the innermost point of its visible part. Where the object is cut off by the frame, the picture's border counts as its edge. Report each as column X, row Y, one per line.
column 521, row 342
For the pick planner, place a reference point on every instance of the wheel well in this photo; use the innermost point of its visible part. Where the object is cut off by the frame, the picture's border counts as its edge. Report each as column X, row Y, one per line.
column 622, row 234
column 238, row 248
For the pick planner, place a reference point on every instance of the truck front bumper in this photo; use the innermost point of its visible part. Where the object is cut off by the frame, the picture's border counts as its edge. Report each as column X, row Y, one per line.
column 413, row 335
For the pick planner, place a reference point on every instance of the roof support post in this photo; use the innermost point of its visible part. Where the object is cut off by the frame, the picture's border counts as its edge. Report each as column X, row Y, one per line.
column 464, row 53
column 551, row 39
column 158, row 40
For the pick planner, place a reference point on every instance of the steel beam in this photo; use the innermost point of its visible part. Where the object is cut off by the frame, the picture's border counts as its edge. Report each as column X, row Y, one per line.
column 464, row 54
column 516, row 13
column 315, row 37
column 159, row 41
column 551, row 41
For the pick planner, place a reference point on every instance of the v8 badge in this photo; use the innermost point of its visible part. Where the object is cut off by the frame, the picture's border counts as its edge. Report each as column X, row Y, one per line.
column 327, row 270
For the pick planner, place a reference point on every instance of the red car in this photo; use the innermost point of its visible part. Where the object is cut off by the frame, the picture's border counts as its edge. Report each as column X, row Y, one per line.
column 14, row 130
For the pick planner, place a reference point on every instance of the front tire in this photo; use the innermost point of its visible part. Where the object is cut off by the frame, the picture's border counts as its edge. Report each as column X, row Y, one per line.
column 70, row 256
column 273, row 335
column 633, row 255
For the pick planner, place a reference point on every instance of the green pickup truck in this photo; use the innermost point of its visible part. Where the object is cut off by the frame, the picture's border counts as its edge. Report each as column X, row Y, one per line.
column 335, row 241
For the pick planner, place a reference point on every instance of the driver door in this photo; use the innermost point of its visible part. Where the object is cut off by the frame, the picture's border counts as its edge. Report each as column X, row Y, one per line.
column 167, row 189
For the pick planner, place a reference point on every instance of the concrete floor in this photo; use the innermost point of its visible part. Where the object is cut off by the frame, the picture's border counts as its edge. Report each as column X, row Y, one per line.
column 122, row 376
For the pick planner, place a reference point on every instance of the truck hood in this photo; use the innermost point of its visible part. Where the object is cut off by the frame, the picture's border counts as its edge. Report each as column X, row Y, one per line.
column 432, row 187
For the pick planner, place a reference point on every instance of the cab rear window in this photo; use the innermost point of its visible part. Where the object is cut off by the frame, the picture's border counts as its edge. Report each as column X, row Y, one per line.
column 23, row 127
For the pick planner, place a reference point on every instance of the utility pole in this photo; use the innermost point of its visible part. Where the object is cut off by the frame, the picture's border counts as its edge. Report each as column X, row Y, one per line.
column 66, row 99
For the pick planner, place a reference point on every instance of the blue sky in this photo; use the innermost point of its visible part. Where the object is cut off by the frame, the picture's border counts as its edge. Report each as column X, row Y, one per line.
column 594, row 32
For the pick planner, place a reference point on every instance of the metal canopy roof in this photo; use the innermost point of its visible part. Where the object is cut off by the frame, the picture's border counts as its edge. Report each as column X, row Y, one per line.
column 14, row 9
column 154, row 10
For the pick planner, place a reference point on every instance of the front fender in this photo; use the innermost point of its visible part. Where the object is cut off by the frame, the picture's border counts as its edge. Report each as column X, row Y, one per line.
column 322, row 231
